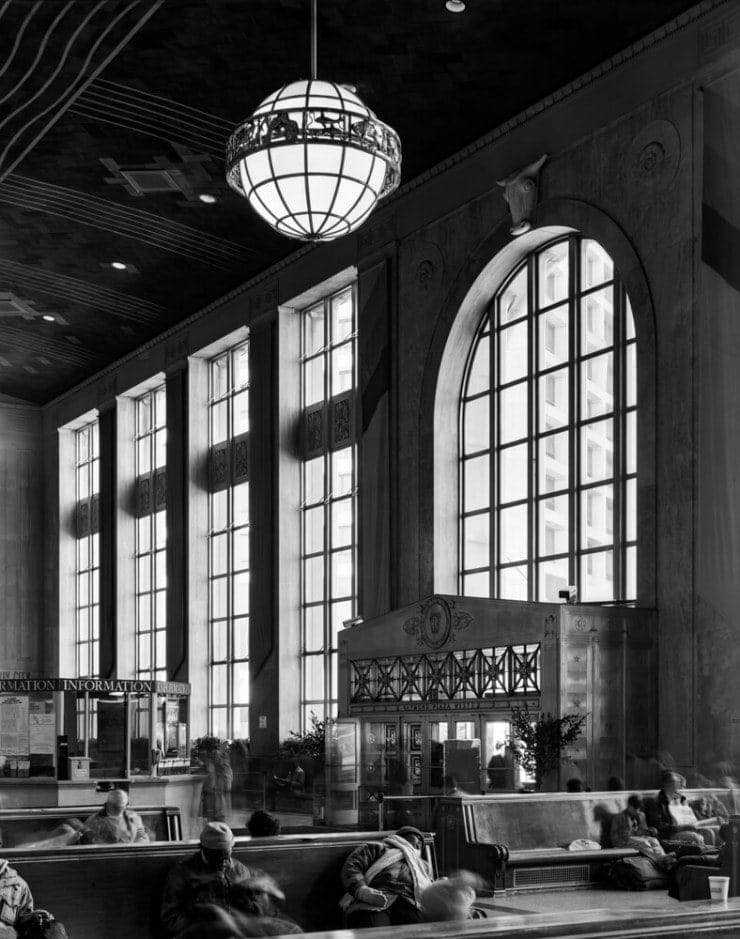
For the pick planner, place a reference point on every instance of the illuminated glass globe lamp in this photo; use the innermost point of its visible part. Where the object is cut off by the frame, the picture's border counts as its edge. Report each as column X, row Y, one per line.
column 313, row 160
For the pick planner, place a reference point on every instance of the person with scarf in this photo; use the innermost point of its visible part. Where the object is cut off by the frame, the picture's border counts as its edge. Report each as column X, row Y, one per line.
column 384, row 881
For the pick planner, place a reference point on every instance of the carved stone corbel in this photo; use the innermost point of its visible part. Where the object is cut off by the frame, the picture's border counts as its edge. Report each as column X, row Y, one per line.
column 520, row 192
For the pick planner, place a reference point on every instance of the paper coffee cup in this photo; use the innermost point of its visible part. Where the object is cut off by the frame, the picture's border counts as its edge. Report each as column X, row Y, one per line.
column 719, row 887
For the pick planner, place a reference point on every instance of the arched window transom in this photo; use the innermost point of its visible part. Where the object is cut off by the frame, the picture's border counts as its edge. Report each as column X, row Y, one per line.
column 548, row 433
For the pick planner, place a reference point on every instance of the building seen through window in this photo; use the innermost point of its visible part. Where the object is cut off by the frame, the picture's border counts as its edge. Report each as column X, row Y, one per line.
column 548, row 433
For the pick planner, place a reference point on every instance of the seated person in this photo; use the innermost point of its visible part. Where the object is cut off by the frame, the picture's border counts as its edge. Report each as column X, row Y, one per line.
column 670, row 815
column 384, row 881
column 709, row 810
column 630, row 830
column 574, row 785
column 114, row 823
column 294, row 782
column 17, row 915
column 263, row 825
column 209, row 876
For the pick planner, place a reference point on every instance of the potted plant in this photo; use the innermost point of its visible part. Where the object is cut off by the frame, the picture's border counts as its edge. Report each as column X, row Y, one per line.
column 537, row 739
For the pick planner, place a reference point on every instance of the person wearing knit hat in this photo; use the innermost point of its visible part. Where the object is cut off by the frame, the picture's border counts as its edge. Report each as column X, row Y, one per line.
column 209, row 876
column 384, row 881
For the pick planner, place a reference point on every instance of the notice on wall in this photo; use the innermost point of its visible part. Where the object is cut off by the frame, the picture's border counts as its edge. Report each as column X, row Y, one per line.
column 13, row 725
column 42, row 726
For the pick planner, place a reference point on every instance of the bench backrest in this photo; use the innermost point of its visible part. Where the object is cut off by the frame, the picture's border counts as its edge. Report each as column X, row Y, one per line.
column 115, row 891
column 527, row 821
column 19, row 827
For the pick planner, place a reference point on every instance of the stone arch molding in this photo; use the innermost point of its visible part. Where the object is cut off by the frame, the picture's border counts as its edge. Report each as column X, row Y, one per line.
column 490, row 263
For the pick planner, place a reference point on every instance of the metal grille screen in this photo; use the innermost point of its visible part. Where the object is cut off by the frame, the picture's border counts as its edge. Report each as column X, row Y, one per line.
column 551, row 876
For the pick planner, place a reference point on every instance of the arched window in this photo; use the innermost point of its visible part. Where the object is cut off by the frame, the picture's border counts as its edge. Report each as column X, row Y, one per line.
column 548, row 433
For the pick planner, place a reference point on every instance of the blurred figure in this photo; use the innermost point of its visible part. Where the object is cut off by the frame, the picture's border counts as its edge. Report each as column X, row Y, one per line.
column 574, row 785
column 615, row 784
column 207, row 877
column 115, row 823
column 450, row 899
column 384, row 881
column 216, row 792
column 629, row 829
column 263, row 825
column 294, row 782
column 671, row 815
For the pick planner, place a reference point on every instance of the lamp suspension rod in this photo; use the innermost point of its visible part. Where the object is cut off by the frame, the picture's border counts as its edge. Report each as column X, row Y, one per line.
column 314, row 54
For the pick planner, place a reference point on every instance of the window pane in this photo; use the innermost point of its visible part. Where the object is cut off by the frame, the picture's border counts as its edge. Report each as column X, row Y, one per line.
column 241, row 594
column 240, row 496
column 596, row 265
column 341, row 523
column 554, row 526
column 314, row 677
column 313, row 530
column 476, row 478
column 143, row 415
column 553, row 576
column 553, row 463
column 241, row 414
column 219, row 377
column 160, row 448
column 597, row 451
column 629, row 320
column 219, row 597
column 241, row 549
column 219, row 554
column 553, row 273
column 597, row 320
column 314, row 628
column 514, row 542
column 219, row 422
column 313, row 480
column 597, row 386
column 630, row 377
column 219, row 722
column 630, row 520
column 160, row 569
column 554, row 348
column 476, row 541
column 341, row 574
column 219, row 684
column 513, row 301
column 144, row 612
column 143, row 456
column 220, row 635
column 630, row 565
column 553, row 400
column 513, row 413
column 479, row 376
column 339, row 613
column 341, row 472
column 477, row 585
column 313, row 330
column 314, row 580
column 477, row 428
column 144, row 652
column 342, row 369
column 597, row 517
column 219, row 510
column 160, row 608
column 241, row 681
column 241, row 367
column 241, row 637
column 341, row 316
column 143, row 579
column 313, row 381
column 513, row 583
column 513, row 472
column 597, row 576
column 513, row 352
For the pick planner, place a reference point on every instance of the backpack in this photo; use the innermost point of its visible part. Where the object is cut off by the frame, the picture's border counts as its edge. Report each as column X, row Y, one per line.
column 638, row 873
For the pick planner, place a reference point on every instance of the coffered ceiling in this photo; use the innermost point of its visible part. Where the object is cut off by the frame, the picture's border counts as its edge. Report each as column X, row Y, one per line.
column 114, row 115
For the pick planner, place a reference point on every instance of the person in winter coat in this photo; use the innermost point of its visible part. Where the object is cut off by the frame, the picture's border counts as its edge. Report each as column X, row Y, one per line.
column 384, row 881
column 210, row 876
column 17, row 915
column 630, row 830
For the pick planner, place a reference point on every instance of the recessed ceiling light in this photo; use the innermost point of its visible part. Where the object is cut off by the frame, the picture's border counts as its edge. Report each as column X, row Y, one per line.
column 49, row 318
column 207, row 198
column 455, row 6
column 119, row 265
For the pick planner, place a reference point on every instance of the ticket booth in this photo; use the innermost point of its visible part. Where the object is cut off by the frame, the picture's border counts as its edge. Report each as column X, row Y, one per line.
column 429, row 690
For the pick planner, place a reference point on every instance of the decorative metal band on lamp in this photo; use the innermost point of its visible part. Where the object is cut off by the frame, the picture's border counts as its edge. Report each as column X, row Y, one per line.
column 313, row 160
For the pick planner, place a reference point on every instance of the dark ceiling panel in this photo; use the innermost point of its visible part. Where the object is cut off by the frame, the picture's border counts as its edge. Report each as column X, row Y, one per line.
column 114, row 116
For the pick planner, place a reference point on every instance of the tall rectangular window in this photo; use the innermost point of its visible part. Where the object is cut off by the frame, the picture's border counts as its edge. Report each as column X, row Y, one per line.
column 329, row 494
column 228, row 566
column 151, row 535
column 87, row 551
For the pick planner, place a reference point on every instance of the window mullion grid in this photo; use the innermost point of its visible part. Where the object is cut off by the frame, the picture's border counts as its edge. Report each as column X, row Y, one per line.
column 574, row 411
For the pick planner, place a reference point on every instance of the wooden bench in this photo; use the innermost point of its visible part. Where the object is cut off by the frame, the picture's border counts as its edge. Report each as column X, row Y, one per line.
column 19, row 827
column 115, row 891
column 536, row 828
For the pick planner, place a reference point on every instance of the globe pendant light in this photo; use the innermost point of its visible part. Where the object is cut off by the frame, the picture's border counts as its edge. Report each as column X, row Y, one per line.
column 313, row 160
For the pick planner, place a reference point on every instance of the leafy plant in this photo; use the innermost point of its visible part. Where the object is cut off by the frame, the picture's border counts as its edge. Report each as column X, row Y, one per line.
column 207, row 746
column 537, row 740
column 309, row 744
